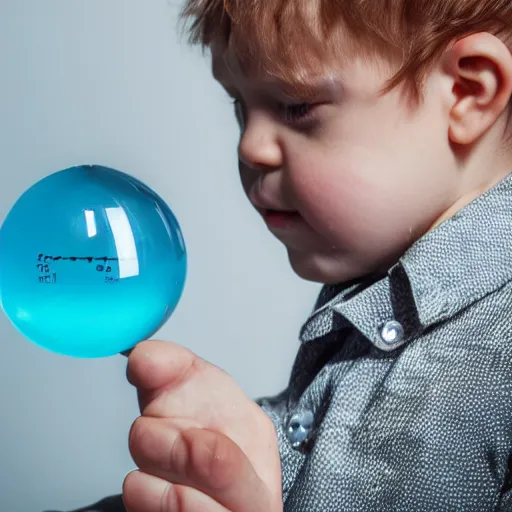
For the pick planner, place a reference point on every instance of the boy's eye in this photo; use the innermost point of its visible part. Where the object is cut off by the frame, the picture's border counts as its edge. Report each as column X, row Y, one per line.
column 296, row 113
column 292, row 114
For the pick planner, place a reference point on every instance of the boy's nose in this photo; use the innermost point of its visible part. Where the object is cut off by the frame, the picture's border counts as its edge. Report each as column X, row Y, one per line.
column 259, row 148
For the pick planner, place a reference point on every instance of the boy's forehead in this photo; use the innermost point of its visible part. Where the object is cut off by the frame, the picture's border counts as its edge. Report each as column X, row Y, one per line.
column 286, row 45
column 232, row 63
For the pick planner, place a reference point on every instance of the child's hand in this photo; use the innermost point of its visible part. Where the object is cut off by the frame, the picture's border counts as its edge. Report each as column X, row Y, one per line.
column 201, row 444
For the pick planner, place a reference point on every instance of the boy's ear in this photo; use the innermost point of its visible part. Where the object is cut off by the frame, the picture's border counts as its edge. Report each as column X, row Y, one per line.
column 480, row 67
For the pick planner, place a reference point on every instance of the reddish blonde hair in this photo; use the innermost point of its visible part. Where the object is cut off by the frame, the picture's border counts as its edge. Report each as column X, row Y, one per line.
column 287, row 37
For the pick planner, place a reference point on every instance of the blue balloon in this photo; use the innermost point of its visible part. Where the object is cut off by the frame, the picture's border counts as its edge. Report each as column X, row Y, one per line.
column 92, row 262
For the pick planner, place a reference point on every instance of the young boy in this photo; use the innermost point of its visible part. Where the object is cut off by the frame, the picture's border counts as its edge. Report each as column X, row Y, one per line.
column 374, row 144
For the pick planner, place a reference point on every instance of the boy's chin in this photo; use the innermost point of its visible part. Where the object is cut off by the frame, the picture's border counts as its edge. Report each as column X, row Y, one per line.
column 325, row 269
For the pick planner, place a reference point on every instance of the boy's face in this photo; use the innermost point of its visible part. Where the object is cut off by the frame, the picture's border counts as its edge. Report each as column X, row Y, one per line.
column 364, row 175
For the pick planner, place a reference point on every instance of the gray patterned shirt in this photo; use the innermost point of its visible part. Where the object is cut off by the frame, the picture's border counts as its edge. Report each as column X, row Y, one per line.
column 400, row 398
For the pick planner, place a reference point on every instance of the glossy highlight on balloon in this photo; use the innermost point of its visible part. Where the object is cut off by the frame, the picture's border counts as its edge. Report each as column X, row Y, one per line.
column 92, row 262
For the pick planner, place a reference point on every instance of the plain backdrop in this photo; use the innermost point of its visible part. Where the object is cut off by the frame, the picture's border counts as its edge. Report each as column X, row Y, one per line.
column 112, row 82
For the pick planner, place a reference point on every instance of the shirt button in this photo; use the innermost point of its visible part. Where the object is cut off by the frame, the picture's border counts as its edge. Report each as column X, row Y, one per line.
column 299, row 428
column 392, row 332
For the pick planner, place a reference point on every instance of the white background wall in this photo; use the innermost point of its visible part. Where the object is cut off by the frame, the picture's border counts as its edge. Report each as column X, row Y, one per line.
column 110, row 82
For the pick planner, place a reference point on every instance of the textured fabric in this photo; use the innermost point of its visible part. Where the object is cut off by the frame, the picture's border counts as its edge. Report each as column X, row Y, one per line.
column 422, row 423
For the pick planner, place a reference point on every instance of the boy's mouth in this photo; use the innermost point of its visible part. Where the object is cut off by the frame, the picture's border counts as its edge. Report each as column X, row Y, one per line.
column 273, row 215
column 280, row 218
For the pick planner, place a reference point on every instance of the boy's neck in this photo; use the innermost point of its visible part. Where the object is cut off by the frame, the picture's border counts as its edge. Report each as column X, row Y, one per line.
column 470, row 195
column 479, row 167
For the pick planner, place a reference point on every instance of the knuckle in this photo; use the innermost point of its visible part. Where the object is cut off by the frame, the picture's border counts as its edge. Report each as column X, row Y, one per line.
column 177, row 460
column 193, row 367
column 173, row 499
column 137, row 436
column 214, row 460
column 156, row 448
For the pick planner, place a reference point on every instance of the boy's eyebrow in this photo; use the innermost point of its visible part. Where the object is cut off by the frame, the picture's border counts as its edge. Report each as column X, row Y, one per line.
column 305, row 87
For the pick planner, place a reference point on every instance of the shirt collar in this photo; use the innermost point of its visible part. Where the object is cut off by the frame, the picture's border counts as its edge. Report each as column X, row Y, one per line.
column 458, row 263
